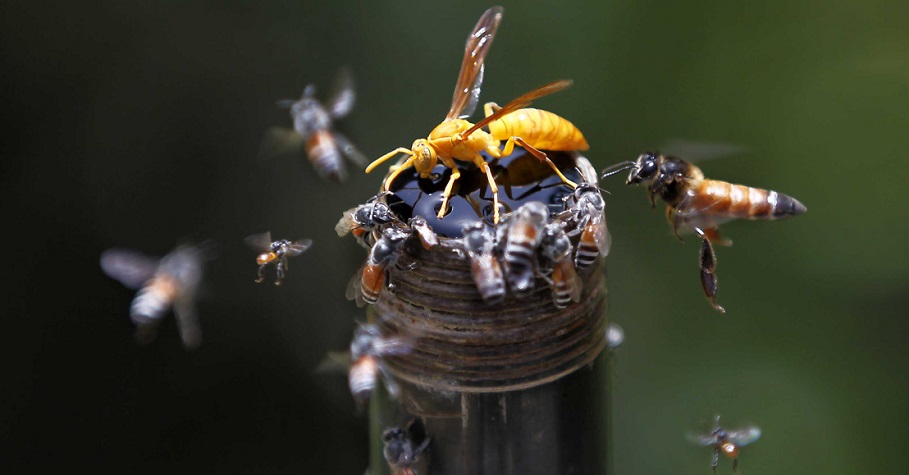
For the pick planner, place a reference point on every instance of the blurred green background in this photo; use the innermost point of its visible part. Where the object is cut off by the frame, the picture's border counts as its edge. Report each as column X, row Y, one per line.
column 135, row 124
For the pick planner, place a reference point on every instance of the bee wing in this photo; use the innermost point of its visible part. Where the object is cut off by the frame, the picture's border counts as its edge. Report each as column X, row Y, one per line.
column 700, row 151
column 467, row 88
column 601, row 235
column 130, row 268
column 701, row 439
column 519, row 102
column 576, row 285
column 348, row 149
column 745, row 435
column 260, row 242
column 353, row 289
column 280, row 141
column 390, row 384
column 299, row 247
column 395, row 345
column 335, row 362
column 347, row 223
column 188, row 321
column 342, row 97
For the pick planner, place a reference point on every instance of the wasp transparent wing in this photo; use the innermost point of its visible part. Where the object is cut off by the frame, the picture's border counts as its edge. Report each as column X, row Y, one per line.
column 467, row 87
column 130, row 268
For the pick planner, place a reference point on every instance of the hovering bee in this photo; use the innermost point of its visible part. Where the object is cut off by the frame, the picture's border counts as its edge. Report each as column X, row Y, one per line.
column 367, row 349
column 457, row 139
column 564, row 281
column 404, row 448
column 170, row 281
column 371, row 279
column 615, row 336
column 701, row 205
column 587, row 210
column 521, row 238
column 363, row 219
column 275, row 252
column 726, row 442
column 313, row 127
column 484, row 267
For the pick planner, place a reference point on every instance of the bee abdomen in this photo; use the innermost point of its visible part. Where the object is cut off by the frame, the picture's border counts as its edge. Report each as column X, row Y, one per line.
column 372, row 282
column 587, row 251
column 489, row 279
column 324, row 154
column 362, row 377
column 739, row 201
column 152, row 301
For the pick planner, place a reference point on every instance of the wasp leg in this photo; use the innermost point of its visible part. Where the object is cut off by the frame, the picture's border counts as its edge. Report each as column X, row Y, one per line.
column 395, row 171
column 261, row 274
column 509, row 147
column 282, row 264
column 455, row 174
column 708, row 266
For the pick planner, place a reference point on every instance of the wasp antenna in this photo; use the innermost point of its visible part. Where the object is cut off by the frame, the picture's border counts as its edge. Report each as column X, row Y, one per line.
column 616, row 169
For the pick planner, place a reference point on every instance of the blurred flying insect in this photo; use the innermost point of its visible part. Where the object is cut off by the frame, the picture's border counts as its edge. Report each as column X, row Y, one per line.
column 361, row 220
column 726, row 442
column 404, row 448
column 520, row 239
column 457, row 139
column 170, row 281
column 615, row 336
column 275, row 252
column 588, row 207
column 314, row 129
column 484, row 267
column 367, row 349
column 368, row 283
column 566, row 284
column 699, row 204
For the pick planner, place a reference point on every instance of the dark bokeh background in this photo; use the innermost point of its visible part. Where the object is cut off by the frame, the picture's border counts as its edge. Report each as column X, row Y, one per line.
column 135, row 124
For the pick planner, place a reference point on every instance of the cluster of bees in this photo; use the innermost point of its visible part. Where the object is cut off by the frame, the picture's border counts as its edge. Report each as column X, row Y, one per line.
column 522, row 247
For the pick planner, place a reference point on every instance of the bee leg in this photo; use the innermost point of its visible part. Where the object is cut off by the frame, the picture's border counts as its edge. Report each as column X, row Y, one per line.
column 261, row 274
column 716, row 460
column 675, row 220
column 715, row 237
column 735, row 465
column 708, row 266
column 455, row 174
column 509, row 147
column 282, row 264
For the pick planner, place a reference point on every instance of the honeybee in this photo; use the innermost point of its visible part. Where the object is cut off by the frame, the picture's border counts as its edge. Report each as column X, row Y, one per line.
column 313, row 127
column 457, row 139
column 363, row 219
column 275, row 252
column 521, row 238
column 726, row 442
column 564, row 281
column 428, row 239
column 372, row 277
column 367, row 349
column 404, row 448
column 701, row 205
column 484, row 267
column 615, row 336
column 588, row 210
column 170, row 281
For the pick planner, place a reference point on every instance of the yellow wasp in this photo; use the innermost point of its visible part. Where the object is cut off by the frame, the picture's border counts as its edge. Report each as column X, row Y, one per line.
column 457, row 139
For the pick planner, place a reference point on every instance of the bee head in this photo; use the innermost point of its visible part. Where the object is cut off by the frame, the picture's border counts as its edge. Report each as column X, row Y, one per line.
column 424, row 157
column 645, row 169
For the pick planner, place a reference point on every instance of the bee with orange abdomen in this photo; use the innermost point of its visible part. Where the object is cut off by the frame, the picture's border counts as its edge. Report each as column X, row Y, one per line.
column 520, row 238
column 457, row 139
column 372, row 277
column 587, row 208
column 314, row 128
column 275, row 252
column 726, row 442
column 170, row 281
column 484, row 267
column 555, row 247
column 360, row 221
column 404, row 448
column 699, row 204
column 367, row 349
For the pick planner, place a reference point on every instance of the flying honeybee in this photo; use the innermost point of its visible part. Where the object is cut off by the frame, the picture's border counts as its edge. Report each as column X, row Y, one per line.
column 699, row 204
column 564, row 280
column 367, row 349
column 372, row 277
column 726, row 442
column 314, row 129
column 484, row 267
column 457, row 139
column 275, row 252
column 170, row 281
column 360, row 221
column 404, row 448
column 521, row 238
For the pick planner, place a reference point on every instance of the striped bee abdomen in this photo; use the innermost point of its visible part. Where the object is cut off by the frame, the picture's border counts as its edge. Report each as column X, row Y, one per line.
column 324, row 154
column 720, row 198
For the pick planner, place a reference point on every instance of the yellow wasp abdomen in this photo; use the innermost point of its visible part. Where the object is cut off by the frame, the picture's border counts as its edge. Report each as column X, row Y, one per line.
column 542, row 129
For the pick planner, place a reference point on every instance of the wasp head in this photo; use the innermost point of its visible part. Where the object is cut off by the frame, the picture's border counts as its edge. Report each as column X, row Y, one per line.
column 424, row 157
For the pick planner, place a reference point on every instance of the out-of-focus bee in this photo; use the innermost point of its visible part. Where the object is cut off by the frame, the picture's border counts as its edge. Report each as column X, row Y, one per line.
column 699, row 204
column 615, row 336
column 170, row 281
column 428, row 239
column 564, row 281
column 372, row 277
column 404, row 448
column 587, row 209
column 367, row 349
column 726, row 442
column 313, row 128
column 521, row 237
column 457, row 139
column 363, row 219
column 484, row 267
column 275, row 252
